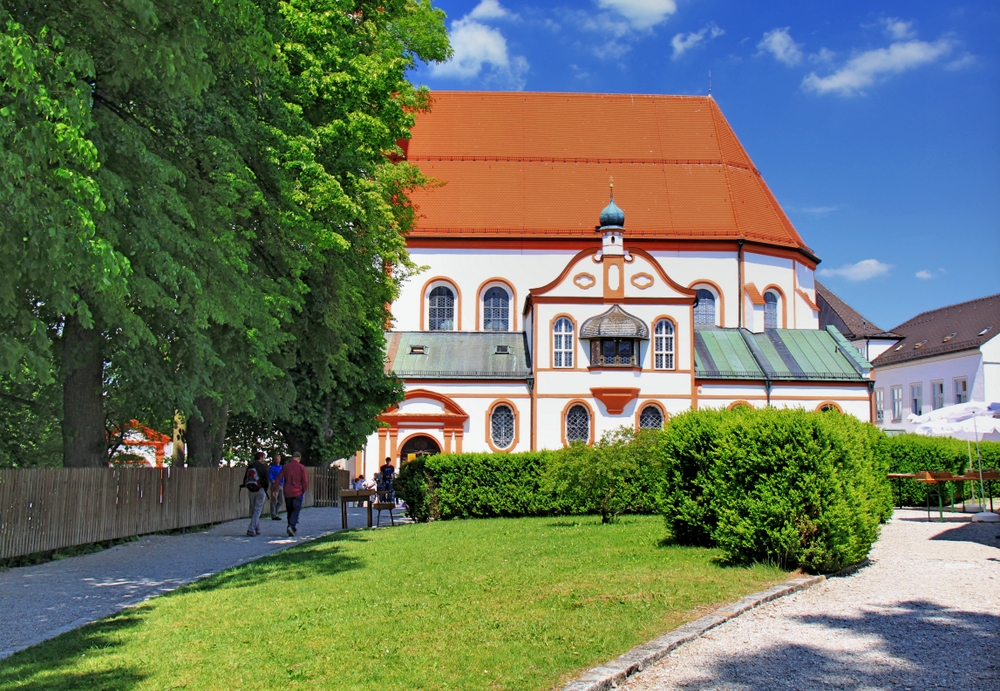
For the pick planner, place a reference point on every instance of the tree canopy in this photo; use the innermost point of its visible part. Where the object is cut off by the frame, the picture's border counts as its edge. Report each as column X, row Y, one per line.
column 202, row 211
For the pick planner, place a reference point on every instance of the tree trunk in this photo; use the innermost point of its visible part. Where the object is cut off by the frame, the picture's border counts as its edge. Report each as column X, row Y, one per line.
column 297, row 443
column 206, row 434
column 85, row 443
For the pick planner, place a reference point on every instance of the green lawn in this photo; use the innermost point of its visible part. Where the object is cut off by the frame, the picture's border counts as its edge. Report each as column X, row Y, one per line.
column 478, row 604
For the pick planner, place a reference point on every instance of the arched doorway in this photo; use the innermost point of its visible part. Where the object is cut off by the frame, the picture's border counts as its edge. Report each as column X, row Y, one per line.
column 419, row 444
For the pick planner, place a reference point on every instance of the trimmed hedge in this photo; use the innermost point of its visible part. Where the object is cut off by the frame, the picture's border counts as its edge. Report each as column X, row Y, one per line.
column 909, row 453
column 617, row 475
column 478, row 485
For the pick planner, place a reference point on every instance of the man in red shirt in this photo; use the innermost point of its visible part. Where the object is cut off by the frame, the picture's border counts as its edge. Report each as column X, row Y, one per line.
column 296, row 483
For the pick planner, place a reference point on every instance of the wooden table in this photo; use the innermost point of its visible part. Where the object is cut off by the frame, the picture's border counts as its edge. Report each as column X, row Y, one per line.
column 936, row 477
column 364, row 496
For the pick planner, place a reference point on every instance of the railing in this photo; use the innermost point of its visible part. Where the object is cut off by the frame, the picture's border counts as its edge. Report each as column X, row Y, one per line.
column 48, row 509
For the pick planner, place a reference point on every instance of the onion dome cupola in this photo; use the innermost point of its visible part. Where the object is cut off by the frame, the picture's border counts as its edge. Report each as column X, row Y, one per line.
column 612, row 227
column 615, row 323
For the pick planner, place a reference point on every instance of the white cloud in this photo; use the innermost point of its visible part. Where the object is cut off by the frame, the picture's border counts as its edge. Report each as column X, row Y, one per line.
column 815, row 209
column 823, row 55
column 966, row 60
column 490, row 9
column 897, row 29
column 925, row 275
column 779, row 43
column 481, row 50
column 865, row 69
column 862, row 271
column 685, row 42
column 641, row 14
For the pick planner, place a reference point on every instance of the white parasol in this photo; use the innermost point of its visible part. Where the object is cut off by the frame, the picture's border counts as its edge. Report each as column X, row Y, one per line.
column 972, row 422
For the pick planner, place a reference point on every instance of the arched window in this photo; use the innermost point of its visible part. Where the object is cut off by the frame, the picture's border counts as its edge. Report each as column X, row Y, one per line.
column 562, row 343
column 663, row 345
column 441, row 309
column 704, row 308
column 578, row 424
column 496, row 310
column 502, row 426
column 651, row 417
column 770, row 310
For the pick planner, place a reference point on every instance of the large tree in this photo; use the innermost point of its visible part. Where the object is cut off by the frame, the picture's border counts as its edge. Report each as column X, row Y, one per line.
column 183, row 179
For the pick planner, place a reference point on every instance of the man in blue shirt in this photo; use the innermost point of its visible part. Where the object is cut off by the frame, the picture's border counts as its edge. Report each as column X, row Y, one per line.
column 275, row 494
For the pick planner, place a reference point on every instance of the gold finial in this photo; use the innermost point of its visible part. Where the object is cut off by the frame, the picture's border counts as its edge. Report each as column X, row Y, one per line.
column 611, row 182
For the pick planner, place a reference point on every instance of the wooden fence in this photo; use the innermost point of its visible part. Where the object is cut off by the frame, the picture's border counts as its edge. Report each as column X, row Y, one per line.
column 46, row 509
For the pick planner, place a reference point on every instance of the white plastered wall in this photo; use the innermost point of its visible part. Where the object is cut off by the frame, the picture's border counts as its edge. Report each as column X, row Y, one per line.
column 945, row 368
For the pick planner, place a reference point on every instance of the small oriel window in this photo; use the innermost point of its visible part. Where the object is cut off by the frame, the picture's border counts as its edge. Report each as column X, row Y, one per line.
column 613, row 352
column 502, row 426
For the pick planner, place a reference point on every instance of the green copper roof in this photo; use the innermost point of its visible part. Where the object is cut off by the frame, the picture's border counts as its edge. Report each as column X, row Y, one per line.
column 458, row 355
column 777, row 354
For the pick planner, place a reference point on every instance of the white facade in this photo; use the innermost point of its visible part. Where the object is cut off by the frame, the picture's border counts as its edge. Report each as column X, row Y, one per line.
column 919, row 386
column 547, row 285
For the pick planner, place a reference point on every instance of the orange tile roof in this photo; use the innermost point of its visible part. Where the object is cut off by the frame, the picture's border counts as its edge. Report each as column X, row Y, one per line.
column 754, row 294
column 538, row 164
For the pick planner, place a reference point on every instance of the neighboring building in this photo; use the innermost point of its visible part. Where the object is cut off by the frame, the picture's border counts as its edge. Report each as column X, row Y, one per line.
column 530, row 329
column 870, row 340
column 946, row 356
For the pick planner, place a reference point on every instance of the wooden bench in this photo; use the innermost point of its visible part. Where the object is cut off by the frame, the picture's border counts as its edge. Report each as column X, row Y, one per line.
column 385, row 502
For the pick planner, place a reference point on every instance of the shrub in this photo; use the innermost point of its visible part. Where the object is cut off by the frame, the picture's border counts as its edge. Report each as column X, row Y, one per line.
column 910, row 453
column 789, row 487
column 609, row 478
column 481, row 485
column 686, row 452
column 619, row 474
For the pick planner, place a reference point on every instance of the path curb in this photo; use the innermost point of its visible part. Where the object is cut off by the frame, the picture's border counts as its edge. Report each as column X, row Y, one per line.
column 613, row 673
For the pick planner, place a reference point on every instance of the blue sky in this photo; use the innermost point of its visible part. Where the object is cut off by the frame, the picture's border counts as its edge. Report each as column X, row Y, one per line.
column 876, row 124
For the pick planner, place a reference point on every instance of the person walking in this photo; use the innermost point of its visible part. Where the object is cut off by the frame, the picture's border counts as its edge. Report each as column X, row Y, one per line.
column 255, row 479
column 296, row 483
column 272, row 475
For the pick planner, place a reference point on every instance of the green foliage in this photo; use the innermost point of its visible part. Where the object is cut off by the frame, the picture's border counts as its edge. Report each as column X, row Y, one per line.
column 209, row 188
column 617, row 475
column 687, row 450
column 789, row 487
column 911, row 453
column 30, row 436
column 480, row 485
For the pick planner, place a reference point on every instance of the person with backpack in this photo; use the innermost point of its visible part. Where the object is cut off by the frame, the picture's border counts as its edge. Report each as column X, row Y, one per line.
column 293, row 474
column 272, row 475
column 255, row 479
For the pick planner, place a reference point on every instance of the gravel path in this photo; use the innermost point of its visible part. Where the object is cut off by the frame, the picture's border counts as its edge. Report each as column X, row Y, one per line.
column 43, row 601
column 924, row 615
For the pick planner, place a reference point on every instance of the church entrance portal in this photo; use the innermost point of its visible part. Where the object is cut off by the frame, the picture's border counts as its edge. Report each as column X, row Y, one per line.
column 421, row 445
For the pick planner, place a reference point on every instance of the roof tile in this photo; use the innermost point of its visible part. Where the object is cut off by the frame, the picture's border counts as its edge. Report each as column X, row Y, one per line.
column 537, row 164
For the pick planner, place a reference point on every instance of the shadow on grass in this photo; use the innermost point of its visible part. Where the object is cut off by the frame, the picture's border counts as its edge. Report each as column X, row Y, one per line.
column 326, row 556
column 49, row 666
column 917, row 644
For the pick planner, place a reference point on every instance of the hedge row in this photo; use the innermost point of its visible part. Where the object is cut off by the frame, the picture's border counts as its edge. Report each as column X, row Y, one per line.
column 909, row 453
column 790, row 487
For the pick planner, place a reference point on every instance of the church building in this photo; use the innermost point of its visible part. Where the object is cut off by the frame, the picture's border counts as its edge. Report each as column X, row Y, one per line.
column 593, row 261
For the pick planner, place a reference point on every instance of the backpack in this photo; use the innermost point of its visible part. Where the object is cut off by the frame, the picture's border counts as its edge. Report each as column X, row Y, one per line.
column 252, row 480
